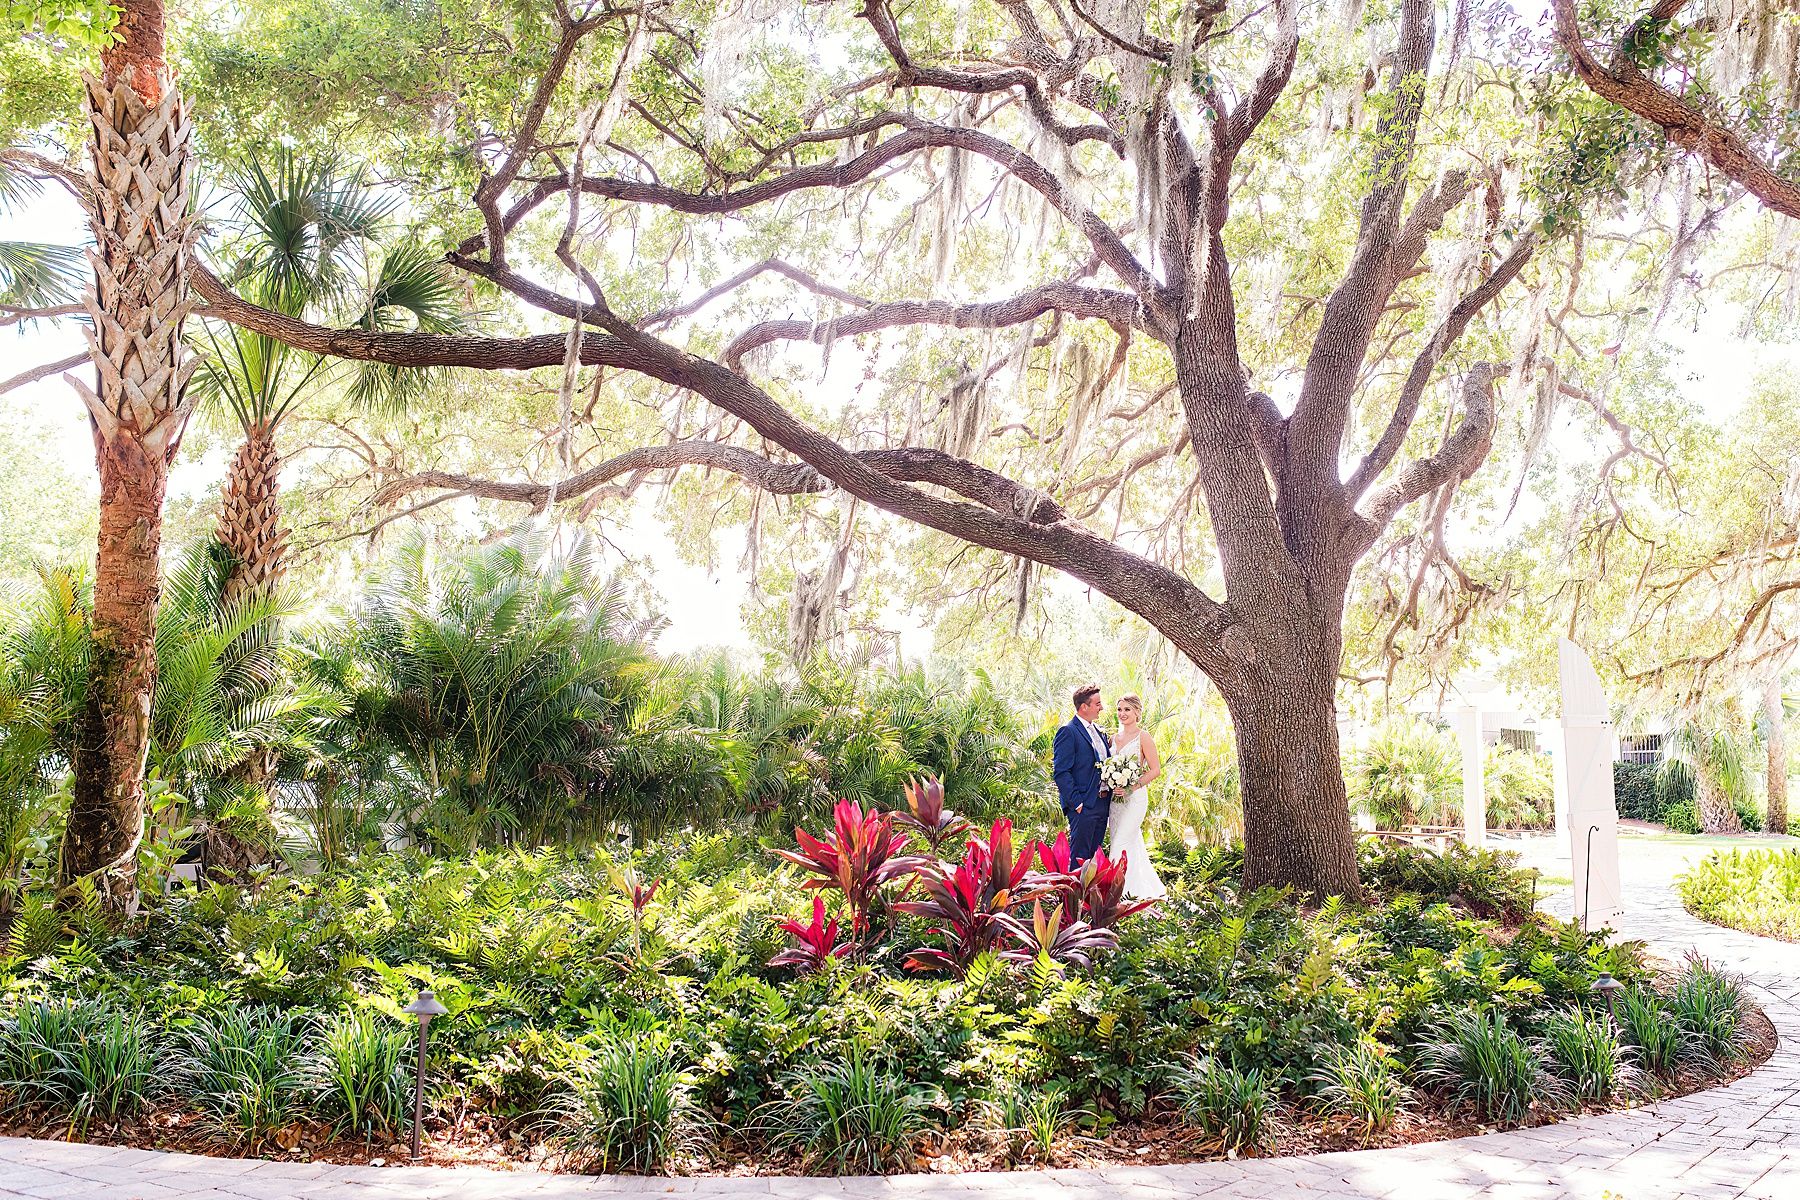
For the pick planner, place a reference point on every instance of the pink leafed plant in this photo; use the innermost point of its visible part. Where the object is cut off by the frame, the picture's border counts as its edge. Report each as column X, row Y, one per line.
column 814, row 944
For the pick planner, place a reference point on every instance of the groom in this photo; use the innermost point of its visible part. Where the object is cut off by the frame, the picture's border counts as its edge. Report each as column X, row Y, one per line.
column 1079, row 748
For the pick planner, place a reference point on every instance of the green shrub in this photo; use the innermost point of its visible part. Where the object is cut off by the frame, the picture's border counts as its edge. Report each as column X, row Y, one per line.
column 1408, row 773
column 1362, row 1083
column 77, row 1060
column 1587, row 1055
column 629, row 1108
column 360, row 1074
column 850, row 1117
column 1635, row 791
column 1222, row 1101
column 1482, row 1063
column 1754, row 890
column 1681, row 816
column 1748, row 814
column 243, row 1068
column 1708, row 1005
column 1487, row 882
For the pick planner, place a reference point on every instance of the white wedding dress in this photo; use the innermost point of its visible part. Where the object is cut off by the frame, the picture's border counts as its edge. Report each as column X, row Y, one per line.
column 1125, row 835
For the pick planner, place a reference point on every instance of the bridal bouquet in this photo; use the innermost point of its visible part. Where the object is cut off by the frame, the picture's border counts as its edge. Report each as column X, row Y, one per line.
column 1120, row 772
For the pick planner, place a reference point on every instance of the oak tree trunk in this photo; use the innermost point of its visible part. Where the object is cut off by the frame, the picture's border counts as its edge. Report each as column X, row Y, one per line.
column 1775, row 743
column 138, row 210
column 1296, row 810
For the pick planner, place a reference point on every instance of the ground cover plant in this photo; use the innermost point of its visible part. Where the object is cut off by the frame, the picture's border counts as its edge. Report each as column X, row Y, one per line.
column 855, row 1003
column 1753, row 890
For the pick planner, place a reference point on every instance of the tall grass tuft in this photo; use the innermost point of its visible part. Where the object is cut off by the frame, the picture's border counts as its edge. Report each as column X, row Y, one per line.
column 1480, row 1061
column 81, row 1061
column 1363, row 1083
column 1650, row 1029
column 1588, row 1056
column 852, row 1116
column 1223, row 1102
column 1032, row 1119
column 359, row 1074
column 629, row 1108
column 244, row 1069
column 1708, row 1005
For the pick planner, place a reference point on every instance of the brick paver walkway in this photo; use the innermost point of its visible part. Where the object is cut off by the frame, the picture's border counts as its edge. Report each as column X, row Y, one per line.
column 1737, row 1141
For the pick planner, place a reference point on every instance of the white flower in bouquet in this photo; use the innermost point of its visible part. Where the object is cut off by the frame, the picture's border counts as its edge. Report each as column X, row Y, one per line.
column 1119, row 773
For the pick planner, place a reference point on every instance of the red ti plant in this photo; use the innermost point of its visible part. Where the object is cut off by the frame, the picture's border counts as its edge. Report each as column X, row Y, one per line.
column 814, row 944
column 926, row 814
column 1049, row 937
column 859, row 857
column 1095, row 889
column 639, row 895
column 1102, row 886
column 968, row 899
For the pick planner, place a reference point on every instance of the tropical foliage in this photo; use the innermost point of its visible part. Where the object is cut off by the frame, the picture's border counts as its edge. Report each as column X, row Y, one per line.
column 1755, row 890
column 664, row 1025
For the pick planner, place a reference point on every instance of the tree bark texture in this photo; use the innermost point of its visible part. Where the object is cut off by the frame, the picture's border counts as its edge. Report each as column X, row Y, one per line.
column 1716, row 812
column 143, row 235
column 1775, row 745
column 250, row 518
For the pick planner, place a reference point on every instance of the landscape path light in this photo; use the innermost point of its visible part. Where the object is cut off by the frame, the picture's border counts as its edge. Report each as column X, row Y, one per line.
column 424, row 1008
column 1609, row 987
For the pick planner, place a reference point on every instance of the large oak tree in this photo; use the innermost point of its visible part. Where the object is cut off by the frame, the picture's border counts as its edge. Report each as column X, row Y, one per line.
column 1151, row 110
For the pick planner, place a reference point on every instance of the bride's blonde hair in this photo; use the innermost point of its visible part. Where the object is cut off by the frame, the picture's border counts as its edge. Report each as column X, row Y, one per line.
column 1137, row 706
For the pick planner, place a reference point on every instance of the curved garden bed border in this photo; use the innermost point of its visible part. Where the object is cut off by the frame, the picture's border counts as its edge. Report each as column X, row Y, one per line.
column 1739, row 1139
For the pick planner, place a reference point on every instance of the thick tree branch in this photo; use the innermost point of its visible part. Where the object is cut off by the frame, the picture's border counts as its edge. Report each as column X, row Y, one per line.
column 1316, row 430
column 910, row 464
column 1419, row 376
column 1170, row 602
column 1457, row 458
column 43, row 372
column 1120, row 309
column 1628, row 87
column 916, row 135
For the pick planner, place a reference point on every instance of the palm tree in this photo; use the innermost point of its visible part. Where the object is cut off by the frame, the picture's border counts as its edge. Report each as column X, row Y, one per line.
column 1710, row 746
column 304, row 232
column 503, row 681
column 141, row 157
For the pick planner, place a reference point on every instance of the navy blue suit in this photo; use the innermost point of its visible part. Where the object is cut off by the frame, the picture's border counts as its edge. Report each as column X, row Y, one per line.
column 1078, row 785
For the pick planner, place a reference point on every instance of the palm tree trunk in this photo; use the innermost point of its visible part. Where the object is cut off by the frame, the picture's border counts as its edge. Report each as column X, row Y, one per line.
column 143, row 235
column 1775, row 743
column 1717, row 813
column 250, row 518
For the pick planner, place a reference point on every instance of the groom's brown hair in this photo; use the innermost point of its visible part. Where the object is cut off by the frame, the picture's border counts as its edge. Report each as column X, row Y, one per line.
column 1084, row 693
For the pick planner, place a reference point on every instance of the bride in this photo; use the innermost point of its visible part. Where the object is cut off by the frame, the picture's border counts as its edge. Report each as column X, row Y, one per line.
column 1125, row 828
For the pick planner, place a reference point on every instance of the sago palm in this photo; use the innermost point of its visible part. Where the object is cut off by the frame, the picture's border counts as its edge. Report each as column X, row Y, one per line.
column 306, row 238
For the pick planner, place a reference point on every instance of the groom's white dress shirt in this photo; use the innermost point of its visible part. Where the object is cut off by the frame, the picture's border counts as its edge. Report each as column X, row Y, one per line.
column 1094, row 737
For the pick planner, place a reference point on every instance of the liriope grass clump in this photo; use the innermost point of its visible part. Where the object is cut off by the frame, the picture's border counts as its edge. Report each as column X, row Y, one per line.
column 1223, row 1101
column 1361, row 1082
column 79, row 1061
column 244, row 1069
column 1479, row 1061
column 857, row 1115
column 629, row 1108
